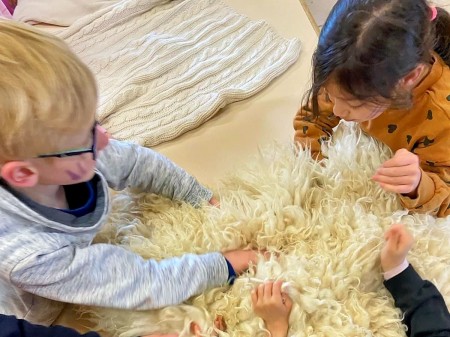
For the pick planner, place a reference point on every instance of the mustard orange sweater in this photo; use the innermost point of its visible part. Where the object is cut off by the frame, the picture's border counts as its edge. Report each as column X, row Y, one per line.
column 424, row 130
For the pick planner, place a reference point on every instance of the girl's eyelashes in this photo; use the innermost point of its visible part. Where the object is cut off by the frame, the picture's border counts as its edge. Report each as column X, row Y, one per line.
column 355, row 106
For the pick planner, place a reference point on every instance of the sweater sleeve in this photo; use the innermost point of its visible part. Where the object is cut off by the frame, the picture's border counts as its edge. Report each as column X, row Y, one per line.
column 111, row 276
column 130, row 165
column 311, row 129
column 14, row 327
column 433, row 194
column 425, row 312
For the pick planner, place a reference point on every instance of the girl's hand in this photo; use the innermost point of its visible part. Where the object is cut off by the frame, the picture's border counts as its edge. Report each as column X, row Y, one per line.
column 273, row 307
column 400, row 174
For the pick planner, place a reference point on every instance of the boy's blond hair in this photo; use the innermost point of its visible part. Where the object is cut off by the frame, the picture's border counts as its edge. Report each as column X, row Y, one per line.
column 46, row 93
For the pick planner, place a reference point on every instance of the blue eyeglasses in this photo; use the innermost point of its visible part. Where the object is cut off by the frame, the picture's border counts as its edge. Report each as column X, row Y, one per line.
column 76, row 152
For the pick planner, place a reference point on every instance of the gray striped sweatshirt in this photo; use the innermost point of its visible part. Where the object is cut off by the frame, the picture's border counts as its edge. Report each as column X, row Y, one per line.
column 46, row 255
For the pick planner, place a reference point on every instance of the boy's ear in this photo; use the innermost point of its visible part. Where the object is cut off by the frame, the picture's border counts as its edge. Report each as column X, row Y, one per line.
column 412, row 78
column 19, row 174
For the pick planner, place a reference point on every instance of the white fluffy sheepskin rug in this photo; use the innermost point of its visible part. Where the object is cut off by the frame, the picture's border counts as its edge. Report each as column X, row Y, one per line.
column 325, row 222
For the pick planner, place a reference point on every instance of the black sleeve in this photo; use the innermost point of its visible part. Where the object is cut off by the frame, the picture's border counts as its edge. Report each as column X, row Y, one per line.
column 13, row 327
column 426, row 314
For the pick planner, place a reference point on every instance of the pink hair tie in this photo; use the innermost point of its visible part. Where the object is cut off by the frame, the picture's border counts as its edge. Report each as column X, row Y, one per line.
column 434, row 12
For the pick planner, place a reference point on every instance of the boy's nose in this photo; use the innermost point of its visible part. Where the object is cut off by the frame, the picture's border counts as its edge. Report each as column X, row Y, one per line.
column 102, row 137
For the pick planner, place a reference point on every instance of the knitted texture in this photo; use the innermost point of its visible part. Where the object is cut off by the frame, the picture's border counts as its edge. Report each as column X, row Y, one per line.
column 165, row 67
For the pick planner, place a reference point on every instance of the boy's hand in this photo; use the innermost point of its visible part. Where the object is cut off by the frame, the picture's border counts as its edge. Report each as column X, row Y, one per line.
column 214, row 202
column 400, row 174
column 171, row 335
column 273, row 307
column 398, row 243
column 240, row 259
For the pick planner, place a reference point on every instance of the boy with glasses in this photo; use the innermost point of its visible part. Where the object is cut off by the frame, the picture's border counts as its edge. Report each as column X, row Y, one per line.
column 56, row 165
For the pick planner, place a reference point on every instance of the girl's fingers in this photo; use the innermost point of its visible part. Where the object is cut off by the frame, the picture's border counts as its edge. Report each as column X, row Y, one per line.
column 402, row 157
column 398, row 180
column 399, row 189
column 397, row 171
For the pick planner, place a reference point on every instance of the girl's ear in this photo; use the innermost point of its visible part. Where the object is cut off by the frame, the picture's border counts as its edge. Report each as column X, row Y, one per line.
column 20, row 174
column 411, row 80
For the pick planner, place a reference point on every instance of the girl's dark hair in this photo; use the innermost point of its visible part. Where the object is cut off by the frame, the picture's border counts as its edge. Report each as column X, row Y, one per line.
column 367, row 46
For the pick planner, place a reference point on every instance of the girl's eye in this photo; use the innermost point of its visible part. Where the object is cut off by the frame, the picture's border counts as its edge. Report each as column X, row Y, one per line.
column 356, row 106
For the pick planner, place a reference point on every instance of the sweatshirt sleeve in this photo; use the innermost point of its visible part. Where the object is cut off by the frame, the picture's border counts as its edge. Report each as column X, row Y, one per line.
column 130, row 165
column 111, row 276
column 433, row 194
column 425, row 312
column 14, row 327
column 310, row 129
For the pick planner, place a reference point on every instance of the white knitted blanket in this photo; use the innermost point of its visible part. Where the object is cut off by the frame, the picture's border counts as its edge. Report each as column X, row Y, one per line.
column 165, row 67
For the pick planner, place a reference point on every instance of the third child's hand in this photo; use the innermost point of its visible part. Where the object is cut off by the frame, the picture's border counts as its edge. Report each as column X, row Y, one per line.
column 400, row 174
column 240, row 259
column 398, row 243
column 273, row 307
column 214, row 202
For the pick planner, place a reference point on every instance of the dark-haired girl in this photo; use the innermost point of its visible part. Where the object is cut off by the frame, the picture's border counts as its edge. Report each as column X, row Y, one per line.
column 385, row 65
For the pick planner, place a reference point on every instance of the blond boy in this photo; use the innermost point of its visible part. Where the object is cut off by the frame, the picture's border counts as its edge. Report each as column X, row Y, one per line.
column 56, row 165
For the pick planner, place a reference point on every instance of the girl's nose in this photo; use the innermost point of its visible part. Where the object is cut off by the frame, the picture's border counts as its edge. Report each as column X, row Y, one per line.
column 340, row 111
